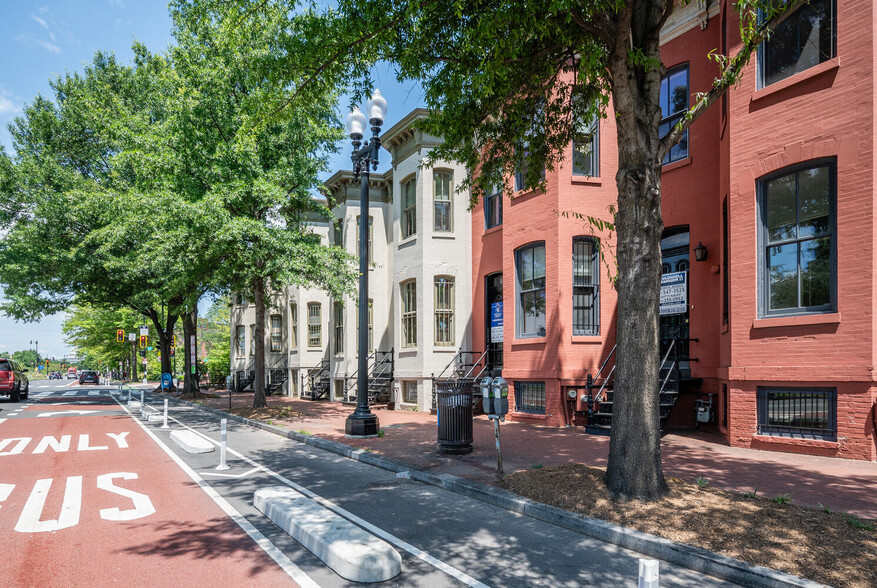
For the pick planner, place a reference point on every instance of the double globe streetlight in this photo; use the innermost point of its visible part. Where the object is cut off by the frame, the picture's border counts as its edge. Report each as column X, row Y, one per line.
column 362, row 422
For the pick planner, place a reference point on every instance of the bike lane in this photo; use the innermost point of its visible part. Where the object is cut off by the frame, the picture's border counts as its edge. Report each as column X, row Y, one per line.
column 87, row 497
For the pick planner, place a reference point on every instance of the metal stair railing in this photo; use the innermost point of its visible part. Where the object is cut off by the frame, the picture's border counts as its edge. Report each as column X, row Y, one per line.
column 350, row 382
column 382, row 369
column 316, row 375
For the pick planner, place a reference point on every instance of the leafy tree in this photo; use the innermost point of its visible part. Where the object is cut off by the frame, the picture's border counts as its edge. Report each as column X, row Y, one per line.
column 218, row 339
column 258, row 172
column 91, row 331
column 505, row 83
column 27, row 357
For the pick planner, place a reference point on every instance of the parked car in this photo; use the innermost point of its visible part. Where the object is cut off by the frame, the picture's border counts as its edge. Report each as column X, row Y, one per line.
column 13, row 382
column 89, row 377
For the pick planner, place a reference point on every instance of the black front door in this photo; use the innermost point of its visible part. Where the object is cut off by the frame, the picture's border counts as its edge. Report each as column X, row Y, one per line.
column 674, row 258
column 494, row 321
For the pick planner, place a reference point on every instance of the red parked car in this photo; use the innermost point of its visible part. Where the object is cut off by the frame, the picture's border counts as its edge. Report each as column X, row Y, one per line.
column 13, row 382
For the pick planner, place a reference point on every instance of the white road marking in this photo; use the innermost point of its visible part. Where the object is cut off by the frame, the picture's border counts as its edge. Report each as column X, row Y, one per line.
column 5, row 491
column 94, row 393
column 2, row 420
column 401, row 544
column 243, row 475
column 71, row 393
column 29, row 521
column 294, row 572
column 64, row 413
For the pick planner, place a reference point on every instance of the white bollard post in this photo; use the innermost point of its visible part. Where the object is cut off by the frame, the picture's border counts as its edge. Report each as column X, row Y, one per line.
column 223, row 441
column 648, row 573
column 130, row 393
column 164, row 426
column 142, row 407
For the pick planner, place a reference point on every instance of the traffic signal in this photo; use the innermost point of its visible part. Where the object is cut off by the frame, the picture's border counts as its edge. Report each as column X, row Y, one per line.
column 143, row 341
column 120, row 335
column 173, row 341
column 173, row 351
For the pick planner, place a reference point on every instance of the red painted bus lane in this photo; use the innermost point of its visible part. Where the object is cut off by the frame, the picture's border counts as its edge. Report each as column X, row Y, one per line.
column 91, row 499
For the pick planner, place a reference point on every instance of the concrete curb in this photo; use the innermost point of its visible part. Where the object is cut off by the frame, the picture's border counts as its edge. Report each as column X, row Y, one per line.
column 687, row 556
column 192, row 442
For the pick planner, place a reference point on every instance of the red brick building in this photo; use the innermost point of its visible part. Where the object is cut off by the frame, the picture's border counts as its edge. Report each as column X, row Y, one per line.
column 777, row 182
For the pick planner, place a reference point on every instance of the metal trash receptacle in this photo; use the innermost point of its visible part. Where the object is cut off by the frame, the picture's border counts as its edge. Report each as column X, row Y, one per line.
column 454, row 409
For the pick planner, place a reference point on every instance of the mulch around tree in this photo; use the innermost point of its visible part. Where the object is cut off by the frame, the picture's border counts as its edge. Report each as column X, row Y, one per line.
column 820, row 545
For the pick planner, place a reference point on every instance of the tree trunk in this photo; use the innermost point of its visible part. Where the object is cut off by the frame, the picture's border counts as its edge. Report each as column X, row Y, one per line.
column 165, row 334
column 634, row 469
column 259, row 398
column 190, row 326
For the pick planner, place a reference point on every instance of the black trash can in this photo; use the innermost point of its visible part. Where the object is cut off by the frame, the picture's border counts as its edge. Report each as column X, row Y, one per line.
column 453, row 402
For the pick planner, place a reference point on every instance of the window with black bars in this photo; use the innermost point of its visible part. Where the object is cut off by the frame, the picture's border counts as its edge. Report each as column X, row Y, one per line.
column 808, row 413
column 585, row 286
column 530, row 397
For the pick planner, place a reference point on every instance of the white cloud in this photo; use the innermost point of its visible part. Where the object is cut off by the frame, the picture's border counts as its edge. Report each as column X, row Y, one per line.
column 44, row 24
column 44, row 44
column 8, row 107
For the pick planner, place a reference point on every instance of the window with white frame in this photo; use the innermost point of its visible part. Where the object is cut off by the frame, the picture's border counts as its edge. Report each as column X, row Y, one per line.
column 444, row 311
column 585, row 286
column 371, row 249
column 443, row 188
column 409, row 391
column 409, row 208
column 241, row 337
column 315, row 324
column 409, row 313
column 797, row 236
column 338, row 232
column 806, row 38
column 338, row 319
column 493, row 207
column 293, row 325
column 252, row 339
column 530, row 313
column 276, row 333
column 674, row 105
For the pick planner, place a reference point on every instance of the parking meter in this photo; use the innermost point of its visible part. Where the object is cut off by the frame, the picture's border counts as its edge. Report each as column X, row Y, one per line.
column 500, row 388
column 486, row 397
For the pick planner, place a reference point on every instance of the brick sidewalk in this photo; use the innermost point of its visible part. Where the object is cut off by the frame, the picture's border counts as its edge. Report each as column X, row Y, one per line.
column 841, row 484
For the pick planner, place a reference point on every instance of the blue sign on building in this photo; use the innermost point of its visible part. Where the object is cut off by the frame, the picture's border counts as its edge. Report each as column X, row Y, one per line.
column 496, row 322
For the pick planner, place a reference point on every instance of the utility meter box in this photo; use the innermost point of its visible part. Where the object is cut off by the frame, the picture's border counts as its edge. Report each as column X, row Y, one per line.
column 500, row 388
column 487, row 394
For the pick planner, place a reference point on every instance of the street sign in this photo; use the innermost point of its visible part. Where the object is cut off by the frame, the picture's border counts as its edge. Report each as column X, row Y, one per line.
column 132, row 337
column 144, row 330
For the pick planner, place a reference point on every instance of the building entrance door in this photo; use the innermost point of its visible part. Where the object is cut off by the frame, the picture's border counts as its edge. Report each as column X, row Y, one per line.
column 494, row 320
column 675, row 326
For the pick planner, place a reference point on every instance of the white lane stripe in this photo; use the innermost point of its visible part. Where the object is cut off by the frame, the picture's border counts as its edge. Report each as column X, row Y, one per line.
column 294, row 572
column 2, row 420
column 71, row 393
column 437, row 563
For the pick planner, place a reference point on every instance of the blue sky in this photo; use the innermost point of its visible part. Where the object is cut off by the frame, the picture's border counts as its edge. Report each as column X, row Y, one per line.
column 42, row 40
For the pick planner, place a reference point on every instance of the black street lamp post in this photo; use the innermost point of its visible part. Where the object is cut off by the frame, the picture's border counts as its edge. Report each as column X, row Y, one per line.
column 362, row 422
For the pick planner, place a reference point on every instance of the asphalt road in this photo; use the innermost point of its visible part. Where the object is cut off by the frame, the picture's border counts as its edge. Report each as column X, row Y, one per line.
column 148, row 513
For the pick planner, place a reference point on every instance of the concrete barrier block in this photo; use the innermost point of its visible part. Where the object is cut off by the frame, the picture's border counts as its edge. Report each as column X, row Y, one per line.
column 351, row 551
column 192, row 442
